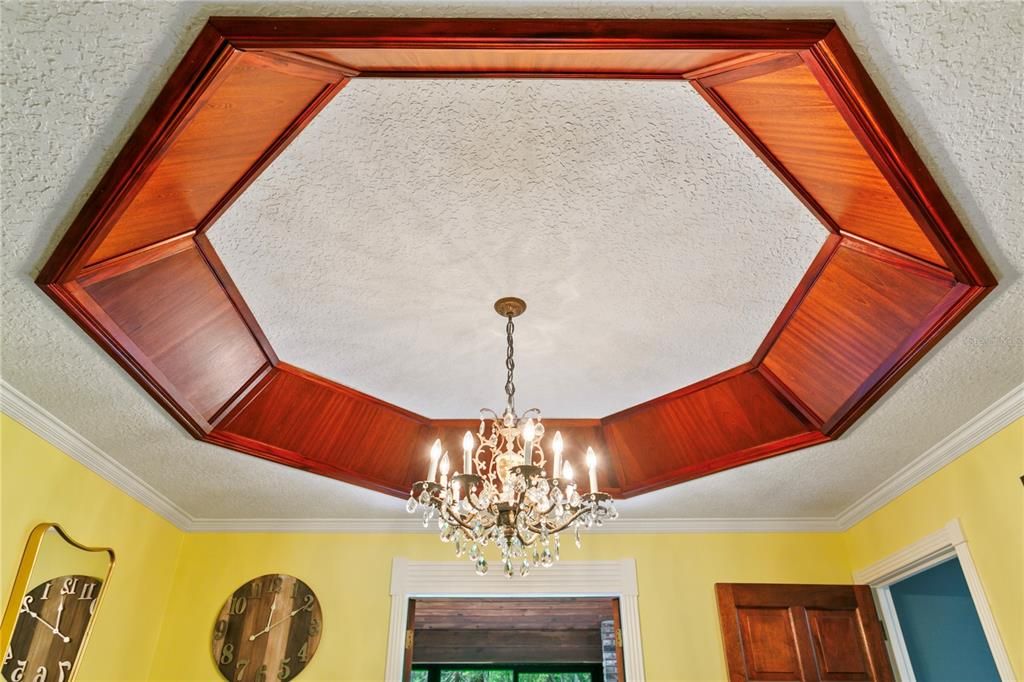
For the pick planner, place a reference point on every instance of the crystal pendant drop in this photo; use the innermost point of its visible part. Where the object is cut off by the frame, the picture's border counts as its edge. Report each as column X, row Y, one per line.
column 481, row 566
column 474, row 551
column 509, row 571
column 458, row 544
column 410, row 505
column 576, row 532
column 558, row 547
column 524, row 570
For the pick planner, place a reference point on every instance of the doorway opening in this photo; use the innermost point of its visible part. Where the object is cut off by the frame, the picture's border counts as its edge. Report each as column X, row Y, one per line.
column 558, row 639
column 940, row 627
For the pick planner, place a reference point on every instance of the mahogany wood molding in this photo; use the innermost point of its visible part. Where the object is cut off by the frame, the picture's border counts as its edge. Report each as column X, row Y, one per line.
column 896, row 273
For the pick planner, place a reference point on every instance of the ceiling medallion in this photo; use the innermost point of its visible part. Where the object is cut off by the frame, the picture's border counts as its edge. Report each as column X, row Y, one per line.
column 504, row 494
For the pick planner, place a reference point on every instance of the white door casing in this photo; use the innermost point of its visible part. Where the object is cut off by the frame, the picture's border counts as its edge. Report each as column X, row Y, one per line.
column 412, row 579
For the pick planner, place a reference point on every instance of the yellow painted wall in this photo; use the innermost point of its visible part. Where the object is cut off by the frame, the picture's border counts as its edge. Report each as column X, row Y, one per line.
column 983, row 489
column 169, row 585
column 351, row 575
column 39, row 483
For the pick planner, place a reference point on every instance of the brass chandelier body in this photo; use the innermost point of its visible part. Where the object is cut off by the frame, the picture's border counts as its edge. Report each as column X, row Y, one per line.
column 505, row 494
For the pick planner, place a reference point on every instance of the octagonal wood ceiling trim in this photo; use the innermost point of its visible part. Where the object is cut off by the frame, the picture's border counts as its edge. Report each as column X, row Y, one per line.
column 897, row 271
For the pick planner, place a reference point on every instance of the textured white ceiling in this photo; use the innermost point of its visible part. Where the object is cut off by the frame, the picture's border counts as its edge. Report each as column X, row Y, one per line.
column 77, row 77
column 652, row 246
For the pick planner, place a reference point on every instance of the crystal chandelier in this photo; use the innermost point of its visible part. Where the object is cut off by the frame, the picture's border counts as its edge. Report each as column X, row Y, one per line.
column 504, row 494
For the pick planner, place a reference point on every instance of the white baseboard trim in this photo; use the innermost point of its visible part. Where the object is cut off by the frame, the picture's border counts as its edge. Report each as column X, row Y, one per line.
column 992, row 419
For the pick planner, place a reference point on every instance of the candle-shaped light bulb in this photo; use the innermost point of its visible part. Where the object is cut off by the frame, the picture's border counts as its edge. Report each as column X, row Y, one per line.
column 467, row 453
column 556, row 447
column 592, row 468
column 435, row 454
column 529, row 430
column 456, row 488
column 445, row 465
column 567, row 472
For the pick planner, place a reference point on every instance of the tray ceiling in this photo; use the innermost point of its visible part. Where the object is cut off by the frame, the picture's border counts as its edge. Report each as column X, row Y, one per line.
column 633, row 221
column 60, row 137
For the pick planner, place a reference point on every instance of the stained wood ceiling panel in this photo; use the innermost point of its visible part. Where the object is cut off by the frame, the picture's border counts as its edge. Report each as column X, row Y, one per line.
column 677, row 436
column 536, row 63
column 862, row 308
column 168, row 312
column 244, row 110
column 179, row 318
column 357, row 437
column 790, row 113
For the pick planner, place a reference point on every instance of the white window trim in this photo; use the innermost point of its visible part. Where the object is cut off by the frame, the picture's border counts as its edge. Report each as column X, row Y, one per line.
column 946, row 543
column 412, row 579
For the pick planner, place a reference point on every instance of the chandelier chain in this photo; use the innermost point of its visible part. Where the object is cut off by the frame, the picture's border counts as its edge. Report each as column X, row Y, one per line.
column 510, row 364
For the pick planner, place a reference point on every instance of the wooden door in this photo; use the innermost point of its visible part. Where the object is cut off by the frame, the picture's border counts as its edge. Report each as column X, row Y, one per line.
column 802, row 632
column 620, row 662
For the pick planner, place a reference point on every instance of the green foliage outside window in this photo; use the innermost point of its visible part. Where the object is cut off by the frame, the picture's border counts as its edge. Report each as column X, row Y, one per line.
column 554, row 677
column 476, row 676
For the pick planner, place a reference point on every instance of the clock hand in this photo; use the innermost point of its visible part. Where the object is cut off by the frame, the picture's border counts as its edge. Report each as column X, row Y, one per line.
column 56, row 623
column 269, row 618
column 289, row 616
column 25, row 609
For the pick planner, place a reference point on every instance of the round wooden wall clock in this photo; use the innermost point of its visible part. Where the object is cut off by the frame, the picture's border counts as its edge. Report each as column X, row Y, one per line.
column 53, row 618
column 268, row 629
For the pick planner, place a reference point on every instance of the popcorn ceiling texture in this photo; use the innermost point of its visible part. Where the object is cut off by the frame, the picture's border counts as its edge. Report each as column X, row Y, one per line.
column 76, row 78
column 652, row 247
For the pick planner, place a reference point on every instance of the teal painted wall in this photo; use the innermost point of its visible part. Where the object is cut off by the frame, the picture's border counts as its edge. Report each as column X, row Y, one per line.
column 941, row 628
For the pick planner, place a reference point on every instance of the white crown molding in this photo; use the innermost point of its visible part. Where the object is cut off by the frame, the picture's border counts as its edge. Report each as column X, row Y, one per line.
column 985, row 424
column 33, row 416
column 991, row 420
column 415, row 525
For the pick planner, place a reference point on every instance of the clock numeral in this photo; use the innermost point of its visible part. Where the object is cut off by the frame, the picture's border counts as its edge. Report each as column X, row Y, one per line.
column 276, row 583
column 18, row 674
column 314, row 627
column 255, row 589
column 92, row 607
column 220, row 630
column 261, row 674
column 87, row 591
column 63, row 668
column 46, row 590
column 285, row 672
column 295, row 590
column 302, row 655
column 238, row 605
column 227, row 654
column 307, row 602
column 40, row 674
column 70, row 586
column 8, row 655
column 240, row 668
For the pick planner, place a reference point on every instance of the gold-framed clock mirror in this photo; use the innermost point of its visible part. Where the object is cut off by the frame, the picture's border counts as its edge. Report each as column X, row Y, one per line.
column 268, row 629
column 52, row 606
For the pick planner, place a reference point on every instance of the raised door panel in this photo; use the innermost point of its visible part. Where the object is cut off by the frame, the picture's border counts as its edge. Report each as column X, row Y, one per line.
column 770, row 647
column 793, row 118
column 839, row 647
column 249, row 106
column 173, row 314
column 801, row 632
column 862, row 313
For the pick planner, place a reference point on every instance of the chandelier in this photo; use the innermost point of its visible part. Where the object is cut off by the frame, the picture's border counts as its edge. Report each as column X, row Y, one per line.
column 505, row 495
